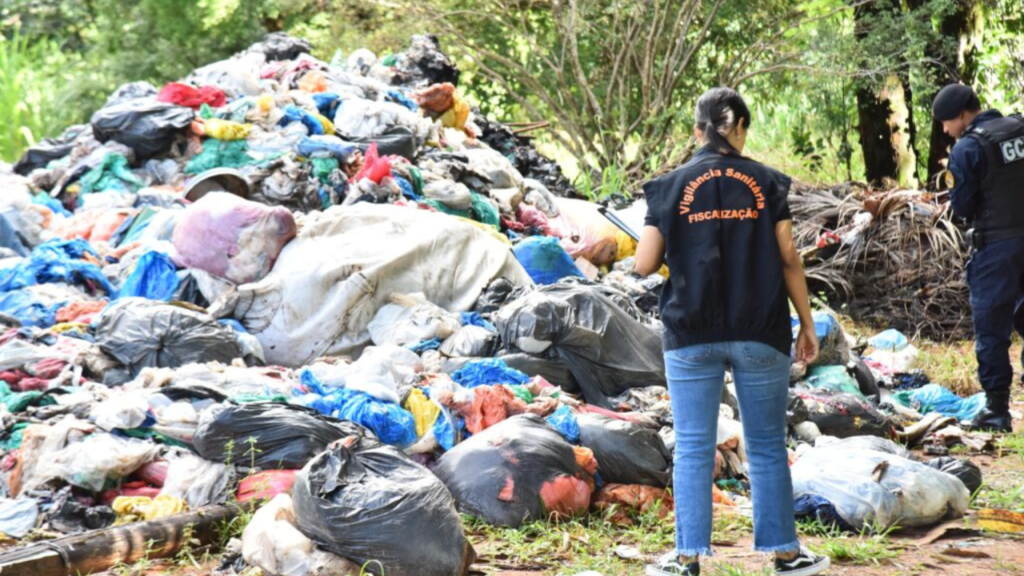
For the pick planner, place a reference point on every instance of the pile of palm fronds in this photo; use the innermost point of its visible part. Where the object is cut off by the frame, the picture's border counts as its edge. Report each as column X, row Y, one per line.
column 895, row 258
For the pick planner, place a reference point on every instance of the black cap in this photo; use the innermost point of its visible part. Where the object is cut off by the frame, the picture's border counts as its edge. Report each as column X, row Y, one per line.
column 951, row 101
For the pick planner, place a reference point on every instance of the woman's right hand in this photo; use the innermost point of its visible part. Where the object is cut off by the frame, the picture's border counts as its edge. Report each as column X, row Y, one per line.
column 806, row 345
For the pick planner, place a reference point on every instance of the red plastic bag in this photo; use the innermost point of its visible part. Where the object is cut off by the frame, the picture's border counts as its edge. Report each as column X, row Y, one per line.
column 266, row 485
column 190, row 96
column 374, row 168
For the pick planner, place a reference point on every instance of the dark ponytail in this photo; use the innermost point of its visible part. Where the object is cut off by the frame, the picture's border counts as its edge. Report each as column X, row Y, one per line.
column 718, row 112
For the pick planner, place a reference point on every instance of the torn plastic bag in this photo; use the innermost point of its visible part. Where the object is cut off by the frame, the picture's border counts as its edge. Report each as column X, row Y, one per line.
column 145, row 125
column 97, row 459
column 197, row 481
column 870, row 443
column 124, row 411
column 378, row 372
column 545, row 260
column 626, row 453
column 268, row 435
column 143, row 334
column 607, row 348
column 515, row 471
column 964, row 470
column 308, row 307
column 877, row 490
column 231, row 237
column 844, row 415
column 272, row 543
column 366, row 502
column 472, row 342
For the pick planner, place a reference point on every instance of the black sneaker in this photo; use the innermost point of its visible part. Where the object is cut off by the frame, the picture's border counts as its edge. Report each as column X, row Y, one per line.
column 669, row 565
column 806, row 563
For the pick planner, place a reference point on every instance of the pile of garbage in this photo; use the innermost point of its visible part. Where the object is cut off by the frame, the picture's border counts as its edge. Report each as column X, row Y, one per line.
column 335, row 293
column 894, row 258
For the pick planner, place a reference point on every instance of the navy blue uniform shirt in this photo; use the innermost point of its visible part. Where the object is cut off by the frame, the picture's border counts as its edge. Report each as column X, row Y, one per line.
column 968, row 168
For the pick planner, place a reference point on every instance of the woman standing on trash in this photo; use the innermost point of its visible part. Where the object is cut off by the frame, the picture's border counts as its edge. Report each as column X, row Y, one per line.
column 721, row 223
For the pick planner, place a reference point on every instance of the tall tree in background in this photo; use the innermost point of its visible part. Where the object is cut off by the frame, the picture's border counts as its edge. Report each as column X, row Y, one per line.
column 884, row 96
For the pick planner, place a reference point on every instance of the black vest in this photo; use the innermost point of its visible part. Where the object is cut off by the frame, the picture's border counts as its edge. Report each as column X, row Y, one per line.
column 1001, row 192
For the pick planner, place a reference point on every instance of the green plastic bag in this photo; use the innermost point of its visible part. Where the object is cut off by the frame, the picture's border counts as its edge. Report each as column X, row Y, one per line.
column 112, row 174
column 217, row 154
column 484, row 211
column 833, row 378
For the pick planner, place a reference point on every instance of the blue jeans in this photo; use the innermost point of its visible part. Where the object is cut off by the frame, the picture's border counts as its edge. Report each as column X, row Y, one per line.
column 695, row 378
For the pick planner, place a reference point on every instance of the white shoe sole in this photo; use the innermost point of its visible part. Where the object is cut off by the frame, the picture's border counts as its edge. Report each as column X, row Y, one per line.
column 810, row 570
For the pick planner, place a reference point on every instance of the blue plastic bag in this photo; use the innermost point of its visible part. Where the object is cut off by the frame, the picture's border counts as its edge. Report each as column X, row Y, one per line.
column 296, row 114
column 324, row 147
column 399, row 98
column 56, row 261
column 545, row 260
column 835, row 378
column 327, row 103
column 488, row 371
column 891, row 340
column 475, row 319
column 564, row 420
column 935, row 398
column 28, row 309
column 424, row 345
column 390, row 422
column 155, row 278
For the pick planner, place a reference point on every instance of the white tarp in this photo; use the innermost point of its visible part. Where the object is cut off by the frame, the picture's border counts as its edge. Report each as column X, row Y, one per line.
column 330, row 280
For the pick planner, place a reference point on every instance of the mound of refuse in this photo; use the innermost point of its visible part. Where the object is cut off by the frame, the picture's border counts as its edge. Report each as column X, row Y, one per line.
column 335, row 290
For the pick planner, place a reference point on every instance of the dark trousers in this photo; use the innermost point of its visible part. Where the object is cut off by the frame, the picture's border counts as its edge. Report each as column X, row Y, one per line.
column 995, row 275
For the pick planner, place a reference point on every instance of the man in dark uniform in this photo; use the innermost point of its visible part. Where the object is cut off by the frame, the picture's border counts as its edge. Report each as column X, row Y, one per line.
column 986, row 180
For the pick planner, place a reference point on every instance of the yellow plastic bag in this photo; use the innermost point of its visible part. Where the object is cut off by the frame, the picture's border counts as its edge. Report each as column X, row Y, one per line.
column 424, row 411
column 327, row 124
column 457, row 115
column 226, row 129
column 627, row 246
column 135, row 508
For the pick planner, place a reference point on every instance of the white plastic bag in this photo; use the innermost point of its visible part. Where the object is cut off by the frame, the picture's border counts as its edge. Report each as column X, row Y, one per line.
column 195, row 480
column 454, row 195
column 878, row 490
column 378, row 372
column 409, row 319
column 90, row 463
column 124, row 411
column 272, row 543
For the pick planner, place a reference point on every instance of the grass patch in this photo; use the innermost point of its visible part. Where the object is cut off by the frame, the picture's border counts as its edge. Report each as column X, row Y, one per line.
column 953, row 365
column 731, row 570
column 730, row 527
column 860, row 550
column 1009, row 497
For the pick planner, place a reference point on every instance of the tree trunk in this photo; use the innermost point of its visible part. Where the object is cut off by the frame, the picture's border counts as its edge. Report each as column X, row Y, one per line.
column 885, row 113
column 952, row 61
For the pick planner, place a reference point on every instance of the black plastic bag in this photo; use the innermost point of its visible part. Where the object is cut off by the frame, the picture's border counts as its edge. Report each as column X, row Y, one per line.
column 370, row 503
column 145, row 125
column 865, row 378
column 145, row 334
column 280, row 46
column 844, row 415
column 131, row 91
column 964, row 470
column 283, row 436
column 471, row 341
column 498, row 474
column 595, row 330
column 626, row 453
column 494, row 296
column 555, row 371
column 796, row 410
column 395, row 141
column 49, row 149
